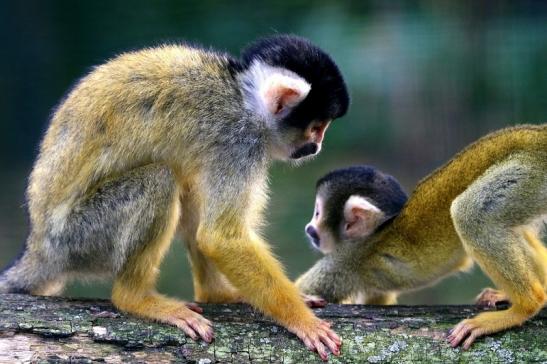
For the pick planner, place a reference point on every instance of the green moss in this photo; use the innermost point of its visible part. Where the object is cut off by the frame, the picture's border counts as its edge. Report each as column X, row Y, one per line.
column 399, row 334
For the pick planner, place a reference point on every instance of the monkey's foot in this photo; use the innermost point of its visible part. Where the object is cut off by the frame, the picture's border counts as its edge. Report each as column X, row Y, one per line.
column 187, row 317
column 183, row 315
column 466, row 329
column 491, row 297
column 318, row 336
column 485, row 323
column 313, row 301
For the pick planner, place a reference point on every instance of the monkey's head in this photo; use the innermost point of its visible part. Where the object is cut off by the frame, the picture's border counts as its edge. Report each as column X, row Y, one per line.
column 351, row 204
column 297, row 89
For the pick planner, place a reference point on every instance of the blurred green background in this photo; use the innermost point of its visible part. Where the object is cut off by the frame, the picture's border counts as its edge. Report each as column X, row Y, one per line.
column 426, row 78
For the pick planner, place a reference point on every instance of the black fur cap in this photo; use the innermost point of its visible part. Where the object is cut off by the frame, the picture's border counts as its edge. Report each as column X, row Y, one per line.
column 381, row 189
column 328, row 98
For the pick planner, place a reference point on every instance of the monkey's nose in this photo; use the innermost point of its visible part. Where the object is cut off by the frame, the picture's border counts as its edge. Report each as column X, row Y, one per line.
column 312, row 233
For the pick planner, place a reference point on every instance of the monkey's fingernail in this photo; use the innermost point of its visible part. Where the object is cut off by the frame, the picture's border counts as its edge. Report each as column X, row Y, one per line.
column 324, row 356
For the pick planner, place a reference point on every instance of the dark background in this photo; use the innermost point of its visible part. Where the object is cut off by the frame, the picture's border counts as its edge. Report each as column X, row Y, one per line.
column 426, row 77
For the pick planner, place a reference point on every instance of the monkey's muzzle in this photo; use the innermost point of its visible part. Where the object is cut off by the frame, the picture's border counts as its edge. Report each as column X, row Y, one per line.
column 312, row 234
column 305, row 150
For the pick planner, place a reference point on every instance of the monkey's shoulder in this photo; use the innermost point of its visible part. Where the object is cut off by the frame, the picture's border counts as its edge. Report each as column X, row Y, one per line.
column 168, row 60
column 433, row 195
column 477, row 157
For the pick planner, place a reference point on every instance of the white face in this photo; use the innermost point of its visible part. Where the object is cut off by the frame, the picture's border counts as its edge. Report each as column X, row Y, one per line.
column 319, row 236
column 272, row 93
column 360, row 220
column 295, row 145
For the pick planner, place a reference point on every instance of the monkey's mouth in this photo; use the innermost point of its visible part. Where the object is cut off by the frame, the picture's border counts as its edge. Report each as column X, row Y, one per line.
column 315, row 242
column 314, row 239
column 313, row 236
column 305, row 150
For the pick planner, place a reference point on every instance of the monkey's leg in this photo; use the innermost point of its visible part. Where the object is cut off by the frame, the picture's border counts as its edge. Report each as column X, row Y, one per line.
column 522, row 287
column 384, row 298
column 358, row 298
column 491, row 297
column 150, row 217
column 247, row 262
column 331, row 280
column 210, row 285
column 488, row 217
column 535, row 243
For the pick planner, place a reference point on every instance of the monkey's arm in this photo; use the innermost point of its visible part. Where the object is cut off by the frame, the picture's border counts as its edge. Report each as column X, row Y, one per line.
column 329, row 279
column 493, row 217
column 225, row 236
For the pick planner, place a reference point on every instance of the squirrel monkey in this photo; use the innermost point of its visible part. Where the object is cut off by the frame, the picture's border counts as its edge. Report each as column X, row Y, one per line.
column 350, row 205
column 486, row 205
column 179, row 136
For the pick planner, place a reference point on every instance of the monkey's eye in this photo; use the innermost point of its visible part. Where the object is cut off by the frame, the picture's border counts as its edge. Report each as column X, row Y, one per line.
column 316, row 213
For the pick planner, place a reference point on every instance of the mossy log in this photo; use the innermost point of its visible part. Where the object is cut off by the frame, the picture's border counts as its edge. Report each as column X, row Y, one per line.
column 48, row 329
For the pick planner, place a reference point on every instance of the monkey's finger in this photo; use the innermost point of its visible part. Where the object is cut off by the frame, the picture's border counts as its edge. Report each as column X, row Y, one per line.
column 308, row 343
column 316, row 303
column 321, row 350
column 467, row 343
column 198, row 317
column 204, row 331
column 455, row 340
column 325, row 324
column 334, row 337
column 333, row 347
column 191, row 316
column 460, row 332
column 194, row 307
column 205, row 321
column 186, row 328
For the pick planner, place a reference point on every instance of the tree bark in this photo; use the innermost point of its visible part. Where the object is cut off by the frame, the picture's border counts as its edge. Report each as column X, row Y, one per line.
column 50, row 329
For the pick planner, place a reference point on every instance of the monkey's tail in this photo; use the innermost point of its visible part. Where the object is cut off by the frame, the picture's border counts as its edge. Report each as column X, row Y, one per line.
column 10, row 277
column 30, row 274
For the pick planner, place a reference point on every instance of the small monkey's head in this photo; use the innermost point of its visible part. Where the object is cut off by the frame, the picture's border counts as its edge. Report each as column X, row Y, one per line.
column 297, row 89
column 351, row 204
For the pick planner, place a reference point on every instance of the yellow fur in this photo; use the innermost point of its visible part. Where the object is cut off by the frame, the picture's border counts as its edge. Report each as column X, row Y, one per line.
column 176, row 136
column 426, row 220
column 134, row 288
column 132, row 111
column 479, row 207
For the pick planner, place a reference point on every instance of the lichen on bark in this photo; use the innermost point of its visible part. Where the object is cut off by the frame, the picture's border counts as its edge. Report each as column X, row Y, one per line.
column 47, row 329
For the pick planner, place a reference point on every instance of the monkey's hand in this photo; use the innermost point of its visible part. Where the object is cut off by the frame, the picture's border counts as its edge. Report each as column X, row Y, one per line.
column 184, row 315
column 188, row 318
column 490, row 297
column 193, row 323
column 313, row 301
column 317, row 336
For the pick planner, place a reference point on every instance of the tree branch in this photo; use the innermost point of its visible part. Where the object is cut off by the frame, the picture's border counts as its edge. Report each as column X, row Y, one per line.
column 61, row 329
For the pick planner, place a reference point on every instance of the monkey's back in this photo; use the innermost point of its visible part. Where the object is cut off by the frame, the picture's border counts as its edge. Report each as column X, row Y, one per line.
column 427, row 212
column 133, row 110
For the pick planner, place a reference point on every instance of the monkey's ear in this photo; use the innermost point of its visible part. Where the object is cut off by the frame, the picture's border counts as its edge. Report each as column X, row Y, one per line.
column 361, row 217
column 282, row 91
column 272, row 91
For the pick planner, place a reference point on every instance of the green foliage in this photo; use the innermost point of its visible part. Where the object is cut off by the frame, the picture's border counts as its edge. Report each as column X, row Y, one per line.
column 426, row 78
